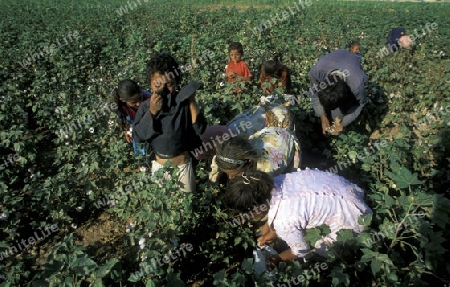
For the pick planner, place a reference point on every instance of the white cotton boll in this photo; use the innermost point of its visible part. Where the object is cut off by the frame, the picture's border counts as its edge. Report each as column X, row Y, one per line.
column 4, row 216
column 142, row 243
column 74, row 226
column 150, row 234
column 89, row 192
column 130, row 227
column 91, row 130
column 81, row 207
column 143, row 169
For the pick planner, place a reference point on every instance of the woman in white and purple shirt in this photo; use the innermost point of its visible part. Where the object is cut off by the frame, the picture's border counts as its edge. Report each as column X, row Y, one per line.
column 299, row 201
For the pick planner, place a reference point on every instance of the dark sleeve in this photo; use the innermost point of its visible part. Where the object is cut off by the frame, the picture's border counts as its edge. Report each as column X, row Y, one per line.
column 185, row 93
column 313, row 84
column 393, row 36
column 144, row 125
column 354, row 113
column 356, row 81
column 200, row 124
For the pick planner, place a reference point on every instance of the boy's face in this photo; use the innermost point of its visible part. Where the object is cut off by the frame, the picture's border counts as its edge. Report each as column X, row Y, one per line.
column 235, row 56
column 355, row 49
column 159, row 81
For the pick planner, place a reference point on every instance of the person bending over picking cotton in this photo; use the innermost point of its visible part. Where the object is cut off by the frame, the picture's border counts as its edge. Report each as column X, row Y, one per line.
column 299, row 201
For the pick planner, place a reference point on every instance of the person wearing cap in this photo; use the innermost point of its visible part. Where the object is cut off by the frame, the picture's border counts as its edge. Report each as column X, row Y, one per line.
column 397, row 38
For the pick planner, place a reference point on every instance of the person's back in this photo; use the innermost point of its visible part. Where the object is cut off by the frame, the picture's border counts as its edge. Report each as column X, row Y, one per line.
column 337, row 89
column 310, row 198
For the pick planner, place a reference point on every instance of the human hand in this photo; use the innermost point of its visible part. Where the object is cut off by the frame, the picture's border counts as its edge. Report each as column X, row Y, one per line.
column 231, row 75
column 267, row 235
column 272, row 261
column 156, row 103
column 128, row 137
column 336, row 128
column 325, row 124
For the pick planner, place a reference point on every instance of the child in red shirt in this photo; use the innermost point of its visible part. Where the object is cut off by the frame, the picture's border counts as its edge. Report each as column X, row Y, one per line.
column 237, row 69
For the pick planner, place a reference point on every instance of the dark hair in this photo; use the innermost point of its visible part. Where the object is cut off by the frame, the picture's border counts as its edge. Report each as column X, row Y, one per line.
column 166, row 65
column 236, row 46
column 126, row 90
column 274, row 68
column 251, row 189
column 337, row 95
column 353, row 43
column 236, row 148
column 271, row 67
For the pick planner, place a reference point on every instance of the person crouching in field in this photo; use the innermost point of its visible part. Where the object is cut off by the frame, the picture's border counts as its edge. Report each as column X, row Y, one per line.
column 397, row 38
column 270, row 70
column 337, row 90
column 272, row 150
column 170, row 121
column 354, row 47
column 298, row 201
column 128, row 96
column 237, row 69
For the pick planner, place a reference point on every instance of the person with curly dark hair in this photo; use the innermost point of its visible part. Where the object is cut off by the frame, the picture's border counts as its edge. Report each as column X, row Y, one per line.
column 337, row 90
column 170, row 121
column 128, row 96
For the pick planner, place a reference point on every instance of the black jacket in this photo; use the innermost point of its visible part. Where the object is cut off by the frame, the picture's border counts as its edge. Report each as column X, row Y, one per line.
column 170, row 132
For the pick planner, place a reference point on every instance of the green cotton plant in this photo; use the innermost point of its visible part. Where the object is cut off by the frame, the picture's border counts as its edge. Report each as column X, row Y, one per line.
column 403, row 244
column 62, row 180
column 69, row 264
column 159, row 212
